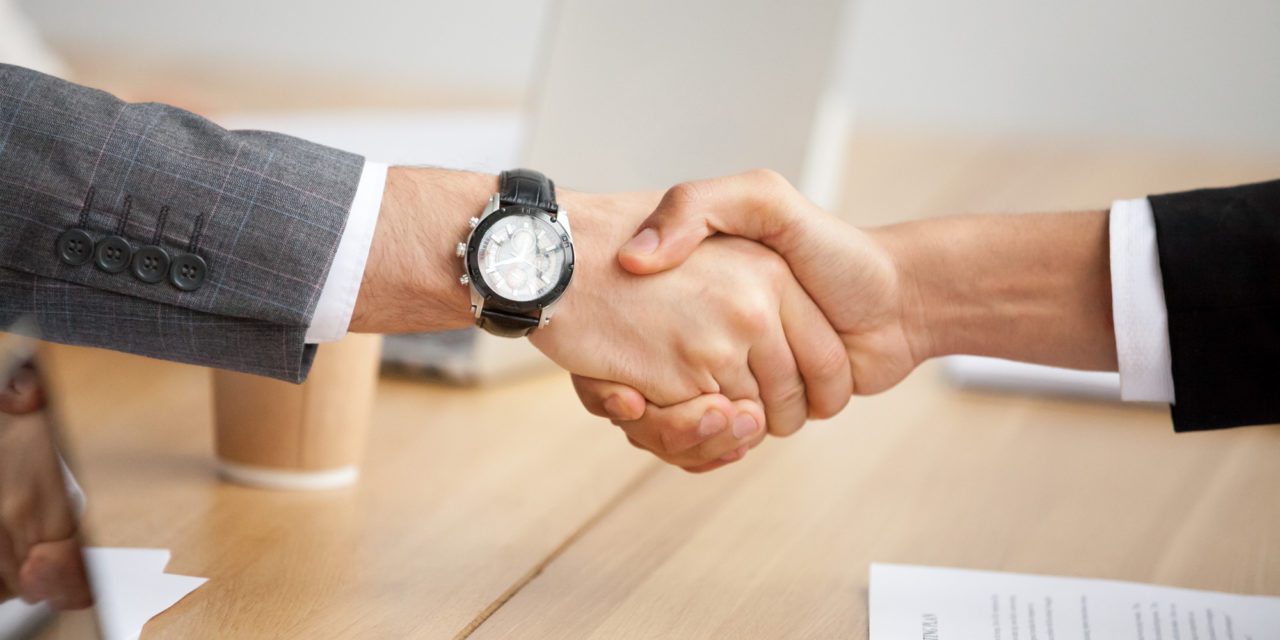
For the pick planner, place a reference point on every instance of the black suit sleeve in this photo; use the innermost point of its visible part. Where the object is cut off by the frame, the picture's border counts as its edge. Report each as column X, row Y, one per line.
column 1220, row 261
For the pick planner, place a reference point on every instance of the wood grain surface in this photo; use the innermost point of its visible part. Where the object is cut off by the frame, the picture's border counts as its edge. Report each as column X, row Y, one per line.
column 510, row 513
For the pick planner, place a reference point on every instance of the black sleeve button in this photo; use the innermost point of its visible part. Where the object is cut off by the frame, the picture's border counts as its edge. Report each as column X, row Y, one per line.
column 75, row 247
column 150, row 264
column 188, row 271
column 112, row 254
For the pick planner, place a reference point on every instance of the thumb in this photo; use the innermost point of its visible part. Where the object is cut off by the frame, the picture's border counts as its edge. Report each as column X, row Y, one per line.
column 611, row 400
column 758, row 205
column 669, row 235
column 54, row 572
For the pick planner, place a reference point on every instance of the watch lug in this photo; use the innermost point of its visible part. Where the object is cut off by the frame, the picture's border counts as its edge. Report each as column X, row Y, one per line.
column 477, row 302
column 492, row 206
column 547, row 312
column 563, row 218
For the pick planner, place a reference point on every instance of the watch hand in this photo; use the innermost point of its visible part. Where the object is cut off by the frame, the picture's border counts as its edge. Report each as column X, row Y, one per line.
column 503, row 263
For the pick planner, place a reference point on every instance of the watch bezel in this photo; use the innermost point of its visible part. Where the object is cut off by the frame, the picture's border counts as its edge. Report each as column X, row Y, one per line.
column 477, row 278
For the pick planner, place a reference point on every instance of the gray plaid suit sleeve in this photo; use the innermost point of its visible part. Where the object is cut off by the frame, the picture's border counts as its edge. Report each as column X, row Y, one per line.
column 263, row 211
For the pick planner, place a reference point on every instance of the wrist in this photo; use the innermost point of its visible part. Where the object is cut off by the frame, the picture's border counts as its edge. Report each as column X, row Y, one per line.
column 1034, row 288
column 601, row 224
column 411, row 281
column 921, row 315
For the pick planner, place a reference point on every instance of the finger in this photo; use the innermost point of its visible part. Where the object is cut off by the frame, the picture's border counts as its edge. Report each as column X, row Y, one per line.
column 731, row 368
column 759, row 205
column 710, row 460
column 710, row 466
column 22, row 393
column 609, row 399
column 781, row 388
column 670, row 432
column 755, row 411
column 54, row 573
column 819, row 354
column 745, row 432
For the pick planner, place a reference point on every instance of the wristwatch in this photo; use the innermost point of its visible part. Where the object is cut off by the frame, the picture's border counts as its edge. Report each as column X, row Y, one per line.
column 519, row 256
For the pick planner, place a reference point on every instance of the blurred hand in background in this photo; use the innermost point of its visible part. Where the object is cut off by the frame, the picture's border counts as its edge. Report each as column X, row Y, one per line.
column 40, row 558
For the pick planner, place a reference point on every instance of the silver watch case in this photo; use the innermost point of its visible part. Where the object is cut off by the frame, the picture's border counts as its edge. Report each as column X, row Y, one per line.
column 481, row 294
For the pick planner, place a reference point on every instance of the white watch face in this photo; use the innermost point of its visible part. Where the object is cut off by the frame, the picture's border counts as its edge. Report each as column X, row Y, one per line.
column 521, row 257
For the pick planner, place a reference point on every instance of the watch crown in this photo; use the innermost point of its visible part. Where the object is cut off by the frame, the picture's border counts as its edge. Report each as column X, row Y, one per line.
column 465, row 279
column 462, row 249
column 474, row 222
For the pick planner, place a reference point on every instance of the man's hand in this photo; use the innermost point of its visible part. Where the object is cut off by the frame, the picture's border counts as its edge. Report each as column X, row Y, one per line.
column 732, row 321
column 1031, row 288
column 39, row 554
column 851, row 274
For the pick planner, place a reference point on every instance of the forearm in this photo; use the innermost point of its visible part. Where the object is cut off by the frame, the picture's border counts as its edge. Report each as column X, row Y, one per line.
column 410, row 282
column 1034, row 288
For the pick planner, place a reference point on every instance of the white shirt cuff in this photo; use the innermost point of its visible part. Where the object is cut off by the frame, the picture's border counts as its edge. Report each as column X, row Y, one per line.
column 338, row 297
column 1137, row 301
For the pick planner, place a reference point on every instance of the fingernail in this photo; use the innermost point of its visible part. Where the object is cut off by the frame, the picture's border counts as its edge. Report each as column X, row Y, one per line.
column 712, row 422
column 614, row 407
column 645, row 243
column 744, row 426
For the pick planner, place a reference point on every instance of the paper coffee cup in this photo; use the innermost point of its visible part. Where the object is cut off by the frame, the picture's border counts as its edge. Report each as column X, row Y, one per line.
column 279, row 435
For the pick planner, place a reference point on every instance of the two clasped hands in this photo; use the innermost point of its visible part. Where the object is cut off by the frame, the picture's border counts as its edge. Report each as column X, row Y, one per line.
column 778, row 318
column 734, row 308
column 703, row 319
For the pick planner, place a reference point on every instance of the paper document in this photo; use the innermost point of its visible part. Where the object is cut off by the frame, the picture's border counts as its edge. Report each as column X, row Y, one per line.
column 956, row 604
column 130, row 587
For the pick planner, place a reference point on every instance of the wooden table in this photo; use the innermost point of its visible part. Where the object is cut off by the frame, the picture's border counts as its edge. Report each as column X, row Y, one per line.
column 471, row 524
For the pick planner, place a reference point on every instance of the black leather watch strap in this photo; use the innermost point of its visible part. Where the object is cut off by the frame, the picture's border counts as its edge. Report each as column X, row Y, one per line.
column 527, row 187
column 507, row 325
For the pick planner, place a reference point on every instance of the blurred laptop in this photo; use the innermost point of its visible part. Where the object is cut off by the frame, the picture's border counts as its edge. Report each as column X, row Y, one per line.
column 34, row 438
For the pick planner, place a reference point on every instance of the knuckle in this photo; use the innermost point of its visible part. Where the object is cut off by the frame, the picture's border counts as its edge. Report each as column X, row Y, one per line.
column 769, row 177
column 765, row 264
column 714, row 355
column 832, row 364
column 750, row 314
column 684, row 194
column 773, row 265
column 726, row 358
column 752, row 319
column 792, row 395
column 789, row 422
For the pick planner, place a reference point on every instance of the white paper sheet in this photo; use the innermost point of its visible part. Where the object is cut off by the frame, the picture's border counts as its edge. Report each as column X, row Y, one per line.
column 956, row 604
column 130, row 587
column 20, row 620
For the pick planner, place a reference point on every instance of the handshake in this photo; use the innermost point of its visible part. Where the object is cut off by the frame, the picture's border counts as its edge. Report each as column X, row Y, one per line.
column 706, row 318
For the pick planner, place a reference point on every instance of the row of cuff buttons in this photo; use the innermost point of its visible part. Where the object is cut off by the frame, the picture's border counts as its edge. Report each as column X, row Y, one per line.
column 149, row 264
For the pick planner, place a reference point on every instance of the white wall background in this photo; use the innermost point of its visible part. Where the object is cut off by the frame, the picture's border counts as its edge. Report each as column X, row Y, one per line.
column 465, row 46
column 1186, row 72
column 1198, row 72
